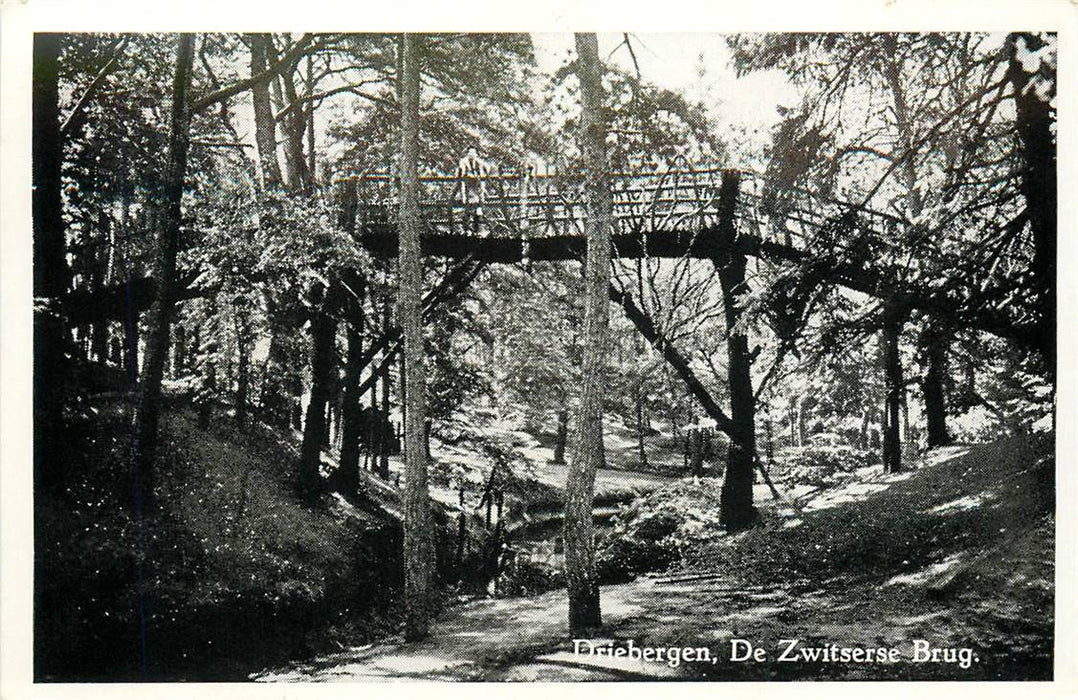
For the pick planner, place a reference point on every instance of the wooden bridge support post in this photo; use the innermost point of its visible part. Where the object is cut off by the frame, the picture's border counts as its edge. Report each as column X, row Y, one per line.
column 736, row 510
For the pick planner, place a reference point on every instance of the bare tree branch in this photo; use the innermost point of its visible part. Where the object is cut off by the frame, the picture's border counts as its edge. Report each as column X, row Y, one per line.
column 75, row 116
column 305, row 45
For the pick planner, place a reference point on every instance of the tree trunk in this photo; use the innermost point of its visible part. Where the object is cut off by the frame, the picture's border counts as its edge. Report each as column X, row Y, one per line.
column 418, row 534
column 696, row 451
column 736, row 510
column 799, row 421
column 276, row 394
column 352, row 410
column 167, row 248
column 561, row 436
column 98, row 279
column 1034, row 123
column 935, row 349
column 309, row 122
column 51, row 276
column 323, row 361
column 384, row 441
column 580, row 570
column 895, row 385
column 295, row 128
column 907, row 439
column 402, row 391
column 265, row 124
column 180, row 350
column 641, row 446
column 208, row 393
column 893, row 75
column 243, row 366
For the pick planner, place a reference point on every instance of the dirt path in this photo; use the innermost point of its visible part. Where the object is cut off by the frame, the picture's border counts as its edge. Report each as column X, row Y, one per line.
column 507, row 639
column 526, row 639
column 606, row 480
column 991, row 596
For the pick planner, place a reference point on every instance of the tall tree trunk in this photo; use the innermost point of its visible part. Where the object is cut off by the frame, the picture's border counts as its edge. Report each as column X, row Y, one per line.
column 935, row 349
column 893, row 75
column 309, row 122
column 736, row 510
column 132, row 361
column 695, row 440
column 265, row 124
column 352, row 409
column 323, row 362
column 862, row 433
column 561, row 437
column 51, row 275
column 167, row 248
column 276, row 394
column 1034, row 123
column 181, row 351
column 799, row 421
column 208, row 392
column 907, row 439
column 295, row 128
column 98, row 279
column 384, row 424
column 580, row 570
column 641, row 445
column 418, row 534
column 893, row 320
column 130, row 318
column 243, row 367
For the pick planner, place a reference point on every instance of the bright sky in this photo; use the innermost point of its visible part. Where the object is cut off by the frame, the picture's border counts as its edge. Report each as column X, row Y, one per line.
column 674, row 61
column 743, row 109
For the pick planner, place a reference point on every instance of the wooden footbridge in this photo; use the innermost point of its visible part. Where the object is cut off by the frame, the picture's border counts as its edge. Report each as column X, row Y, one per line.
column 699, row 213
column 656, row 213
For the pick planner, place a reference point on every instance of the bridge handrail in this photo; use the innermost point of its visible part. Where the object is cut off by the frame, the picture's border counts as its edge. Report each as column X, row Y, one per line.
column 669, row 194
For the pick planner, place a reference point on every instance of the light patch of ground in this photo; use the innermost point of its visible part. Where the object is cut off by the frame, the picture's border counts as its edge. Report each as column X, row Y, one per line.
column 868, row 481
column 964, row 503
column 944, row 454
column 927, row 574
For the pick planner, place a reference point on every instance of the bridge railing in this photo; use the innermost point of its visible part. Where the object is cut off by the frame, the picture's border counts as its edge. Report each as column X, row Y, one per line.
column 803, row 219
column 515, row 203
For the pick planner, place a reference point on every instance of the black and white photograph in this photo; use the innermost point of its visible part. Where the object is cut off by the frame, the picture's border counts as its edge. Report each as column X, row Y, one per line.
column 540, row 356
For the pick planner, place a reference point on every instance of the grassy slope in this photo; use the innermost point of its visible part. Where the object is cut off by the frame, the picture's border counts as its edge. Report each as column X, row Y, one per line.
column 961, row 553
column 233, row 570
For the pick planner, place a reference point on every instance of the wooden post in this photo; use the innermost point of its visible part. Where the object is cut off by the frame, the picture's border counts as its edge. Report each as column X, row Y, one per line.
column 461, row 530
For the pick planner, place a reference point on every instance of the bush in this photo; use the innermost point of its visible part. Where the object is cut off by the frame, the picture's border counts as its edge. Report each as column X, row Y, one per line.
column 819, row 464
column 651, row 533
column 526, row 577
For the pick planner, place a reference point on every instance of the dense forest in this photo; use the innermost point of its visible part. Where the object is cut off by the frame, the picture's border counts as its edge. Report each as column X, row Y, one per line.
column 340, row 337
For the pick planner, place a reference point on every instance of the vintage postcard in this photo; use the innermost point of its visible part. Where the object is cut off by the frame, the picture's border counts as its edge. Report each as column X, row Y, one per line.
column 537, row 347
